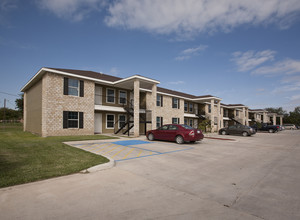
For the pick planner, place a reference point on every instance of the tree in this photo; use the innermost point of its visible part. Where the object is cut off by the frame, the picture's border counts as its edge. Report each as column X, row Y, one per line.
column 278, row 111
column 294, row 117
column 20, row 103
column 10, row 114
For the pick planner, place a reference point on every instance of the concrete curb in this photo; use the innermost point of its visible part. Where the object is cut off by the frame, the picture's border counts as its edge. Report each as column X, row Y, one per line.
column 100, row 167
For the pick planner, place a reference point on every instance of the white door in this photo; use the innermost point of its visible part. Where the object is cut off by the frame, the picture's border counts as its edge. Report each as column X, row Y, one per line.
column 98, row 95
column 98, row 123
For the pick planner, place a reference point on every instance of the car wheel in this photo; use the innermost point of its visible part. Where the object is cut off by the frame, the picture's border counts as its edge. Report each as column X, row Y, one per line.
column 192, row 142
column 245, row 133
column 150, row 137
column 223, row 132
column 179, row 139
column 271, row 131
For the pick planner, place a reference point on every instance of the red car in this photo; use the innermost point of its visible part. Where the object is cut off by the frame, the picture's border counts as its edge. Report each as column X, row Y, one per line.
column 175, row 132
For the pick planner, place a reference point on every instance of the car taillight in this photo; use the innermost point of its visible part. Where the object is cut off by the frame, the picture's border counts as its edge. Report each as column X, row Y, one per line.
column 277, row 126
column 192, row 133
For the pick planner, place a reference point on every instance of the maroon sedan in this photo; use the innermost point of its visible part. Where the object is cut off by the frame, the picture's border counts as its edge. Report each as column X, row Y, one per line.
column 175, row 132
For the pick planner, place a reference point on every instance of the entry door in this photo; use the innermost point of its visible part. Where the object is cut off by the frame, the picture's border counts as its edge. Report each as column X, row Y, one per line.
column 98, row 123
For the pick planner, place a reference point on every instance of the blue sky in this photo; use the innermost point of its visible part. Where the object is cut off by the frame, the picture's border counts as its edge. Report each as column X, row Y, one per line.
column 241, row 51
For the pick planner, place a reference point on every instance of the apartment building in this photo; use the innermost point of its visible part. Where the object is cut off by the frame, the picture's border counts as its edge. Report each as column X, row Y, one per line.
column 76, row 102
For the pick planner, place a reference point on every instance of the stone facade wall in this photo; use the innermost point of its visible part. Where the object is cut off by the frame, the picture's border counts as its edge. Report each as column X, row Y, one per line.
column 55, row 102
column 167, row 112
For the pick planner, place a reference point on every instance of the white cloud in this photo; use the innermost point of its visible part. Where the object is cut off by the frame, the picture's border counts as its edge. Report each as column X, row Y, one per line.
column 189, row 17
column 75, row 10
column 188, row 53
column 114, row 71
column 288, row 66
column 289, row 84
column 294, row 97
column 251, row 59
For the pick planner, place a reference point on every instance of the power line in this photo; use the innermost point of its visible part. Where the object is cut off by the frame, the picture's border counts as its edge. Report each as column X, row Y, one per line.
column 9, row 94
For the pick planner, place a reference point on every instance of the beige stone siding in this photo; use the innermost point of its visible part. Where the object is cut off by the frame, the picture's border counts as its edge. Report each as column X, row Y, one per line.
column 55, row 102
column 33, row 109
column 167, row 112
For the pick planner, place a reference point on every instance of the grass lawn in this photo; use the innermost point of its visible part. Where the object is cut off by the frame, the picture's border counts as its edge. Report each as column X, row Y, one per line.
column 25, row 157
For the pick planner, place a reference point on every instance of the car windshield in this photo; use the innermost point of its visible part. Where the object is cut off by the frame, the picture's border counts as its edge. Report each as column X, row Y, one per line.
column 187, row 127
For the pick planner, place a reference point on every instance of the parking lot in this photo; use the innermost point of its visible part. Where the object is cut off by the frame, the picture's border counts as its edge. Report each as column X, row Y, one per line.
column 250, row 178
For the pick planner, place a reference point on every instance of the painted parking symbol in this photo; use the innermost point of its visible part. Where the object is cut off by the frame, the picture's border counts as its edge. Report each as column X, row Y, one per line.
column 131, row 149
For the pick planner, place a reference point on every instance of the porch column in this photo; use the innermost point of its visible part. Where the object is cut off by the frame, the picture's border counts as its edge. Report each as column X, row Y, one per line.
column 219, row 115
column 264, row 117
column 243, row 116
column 136, row 111
column 274, row 119
column 247, row 117
column 281, row 120
column 154, row 97
column 212, row 114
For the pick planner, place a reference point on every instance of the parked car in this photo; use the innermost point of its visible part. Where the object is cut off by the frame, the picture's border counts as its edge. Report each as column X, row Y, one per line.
column 267, row 127
column 175, row 132
column 289, row 126
column 237, row 129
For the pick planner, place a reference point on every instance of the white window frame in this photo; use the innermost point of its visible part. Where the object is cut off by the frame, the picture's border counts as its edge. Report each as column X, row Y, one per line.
column 120, row 121
column 191, row 120
column 175, row 103
column 158, row 122
column 187, row 106
column 113, row 96
column 73, row 119
column 158, row 100
column 77, row 88
column 120, row 97
column 191, row 106
column 107, row 121
column 177, row 119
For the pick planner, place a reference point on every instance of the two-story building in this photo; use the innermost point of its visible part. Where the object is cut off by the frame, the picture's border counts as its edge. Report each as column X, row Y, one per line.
column 76, row 102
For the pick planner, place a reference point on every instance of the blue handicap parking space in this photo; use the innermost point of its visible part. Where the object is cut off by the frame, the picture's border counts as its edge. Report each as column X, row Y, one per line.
column 131, row 142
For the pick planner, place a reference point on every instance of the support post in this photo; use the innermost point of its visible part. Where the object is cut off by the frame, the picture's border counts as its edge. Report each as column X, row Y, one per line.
column 212, row 114
column 153, row 115
column 136, row 111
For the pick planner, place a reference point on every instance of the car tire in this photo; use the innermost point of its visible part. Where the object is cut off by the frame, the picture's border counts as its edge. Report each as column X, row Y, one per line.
column 223, row 132
column 245, row 133
column 151, row 137
column 271, row 130
column 179, row 139
column 192, row 142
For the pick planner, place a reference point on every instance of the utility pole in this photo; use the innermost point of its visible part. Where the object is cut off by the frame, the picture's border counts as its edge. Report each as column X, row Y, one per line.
column 4, row 113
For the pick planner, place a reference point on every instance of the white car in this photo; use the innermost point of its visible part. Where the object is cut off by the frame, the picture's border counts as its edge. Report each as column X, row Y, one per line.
column 289, row 126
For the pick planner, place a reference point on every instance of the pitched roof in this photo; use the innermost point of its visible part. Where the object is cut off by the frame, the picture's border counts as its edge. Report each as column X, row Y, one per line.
column 90, row 74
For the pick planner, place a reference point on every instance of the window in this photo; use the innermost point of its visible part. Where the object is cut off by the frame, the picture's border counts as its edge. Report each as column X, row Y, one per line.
column 159, row 122
column 185, row 106
column 73, row 87
column 159, row 100
column 185, row 121
column 191, row 122
column 110, row 95
column 165, row 127
column 209, row 108
column 173, row 127
column 175, row 103
column 110, row 121
column 72, row 119
column 122, row 97
column 191, row 107
column 122, row 120
column 237, row 113
column 175, row 120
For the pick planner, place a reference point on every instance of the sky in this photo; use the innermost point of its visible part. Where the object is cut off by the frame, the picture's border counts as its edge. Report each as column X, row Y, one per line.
column 245, row 52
